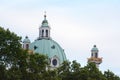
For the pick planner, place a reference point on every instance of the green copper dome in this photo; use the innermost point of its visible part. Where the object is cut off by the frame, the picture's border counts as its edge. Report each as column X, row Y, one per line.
column 26, row 40
column 48, row 47
column 45, row 22
column 94, row 48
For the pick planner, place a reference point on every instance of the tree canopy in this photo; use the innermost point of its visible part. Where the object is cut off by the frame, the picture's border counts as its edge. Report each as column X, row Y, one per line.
column 17, row 64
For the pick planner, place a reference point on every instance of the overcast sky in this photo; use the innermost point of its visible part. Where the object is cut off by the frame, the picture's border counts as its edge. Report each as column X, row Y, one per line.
column 75, row 24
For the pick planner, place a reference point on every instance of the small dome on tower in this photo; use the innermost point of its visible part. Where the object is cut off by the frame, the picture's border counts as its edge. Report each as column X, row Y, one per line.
column 94, row 48
column 44, row 30
column 45, row 22
column 26, row 40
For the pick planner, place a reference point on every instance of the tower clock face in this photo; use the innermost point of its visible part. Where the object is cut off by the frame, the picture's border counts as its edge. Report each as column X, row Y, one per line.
column 54, row 62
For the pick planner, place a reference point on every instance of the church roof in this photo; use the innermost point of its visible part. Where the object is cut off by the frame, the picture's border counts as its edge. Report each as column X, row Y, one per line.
column 26, row 40
column 45, row 22
column 94, row 48
column 48, row 47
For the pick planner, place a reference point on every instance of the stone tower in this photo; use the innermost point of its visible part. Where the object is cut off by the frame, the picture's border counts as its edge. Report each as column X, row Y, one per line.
column 94, row 56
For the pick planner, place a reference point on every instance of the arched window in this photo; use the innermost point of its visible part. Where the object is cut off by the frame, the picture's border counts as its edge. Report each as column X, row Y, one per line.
column 42, row 33
column 27, row 46
column 96, row 55
column 46, row 33
column 54, row 62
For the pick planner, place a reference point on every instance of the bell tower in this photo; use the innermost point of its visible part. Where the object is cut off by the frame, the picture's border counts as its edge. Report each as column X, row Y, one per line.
column 44, row 30
column 94, row 56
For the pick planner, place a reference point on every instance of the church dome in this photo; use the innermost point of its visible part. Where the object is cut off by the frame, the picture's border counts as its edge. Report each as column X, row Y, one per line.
column 26, row 40
column 94, row 48
column 45, row 22
column 50, row 48
column 46, row 46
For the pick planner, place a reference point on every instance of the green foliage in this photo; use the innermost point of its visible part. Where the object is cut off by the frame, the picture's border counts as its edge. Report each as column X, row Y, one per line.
column 37, row 63
column 73, row 71
column 17, row 64
column 9, row 47
column 93, row 72
column 64, row 71
column 110, row 75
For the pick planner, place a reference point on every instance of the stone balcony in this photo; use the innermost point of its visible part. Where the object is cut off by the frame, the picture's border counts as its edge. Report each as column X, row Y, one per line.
column 96, row 60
